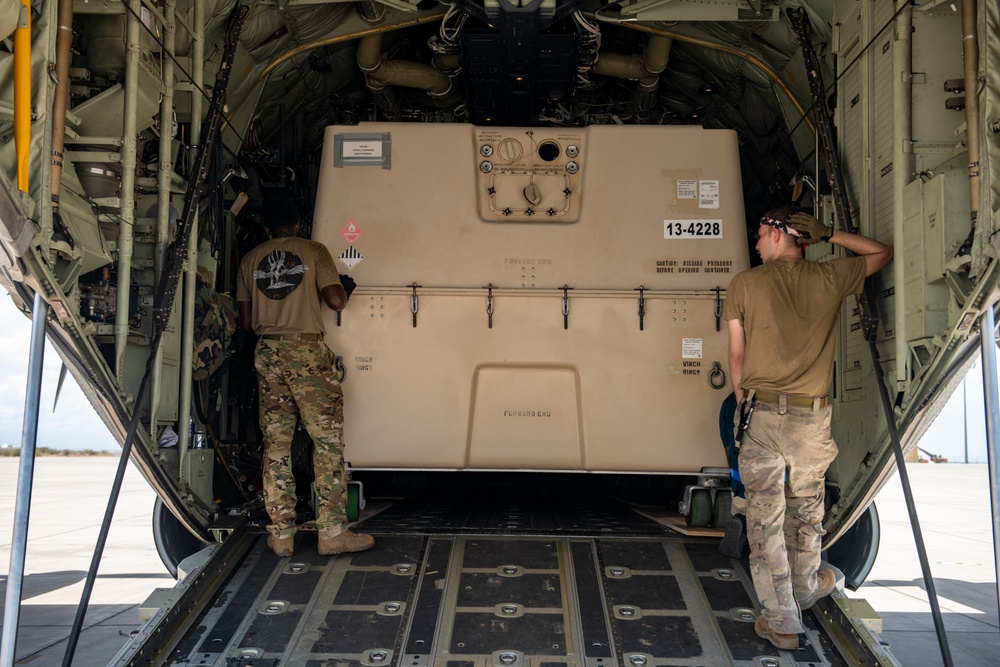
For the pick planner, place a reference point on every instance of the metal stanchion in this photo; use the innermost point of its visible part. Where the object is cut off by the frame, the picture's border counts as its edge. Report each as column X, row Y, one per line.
column 26, row 471
column 991, row 397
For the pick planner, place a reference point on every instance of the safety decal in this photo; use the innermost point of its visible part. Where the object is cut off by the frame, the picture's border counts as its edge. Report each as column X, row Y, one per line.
column 708, row 194
column 351, row 232
column 691, row 348
column 350, row 258
column 687, row 188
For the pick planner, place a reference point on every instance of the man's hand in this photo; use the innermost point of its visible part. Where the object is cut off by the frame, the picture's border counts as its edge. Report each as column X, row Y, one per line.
column 348, row 283
column 812, row 229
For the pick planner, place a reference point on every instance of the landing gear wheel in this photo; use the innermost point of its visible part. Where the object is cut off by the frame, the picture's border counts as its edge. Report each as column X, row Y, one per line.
column 172, row 540
column 723, row 508
column 700, row 515
column 353, row 502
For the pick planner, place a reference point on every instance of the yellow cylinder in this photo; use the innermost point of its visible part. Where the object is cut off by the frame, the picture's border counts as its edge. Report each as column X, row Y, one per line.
column 22, row 93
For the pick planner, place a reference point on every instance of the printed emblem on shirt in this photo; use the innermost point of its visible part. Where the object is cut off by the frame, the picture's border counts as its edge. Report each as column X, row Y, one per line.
column 279, row 273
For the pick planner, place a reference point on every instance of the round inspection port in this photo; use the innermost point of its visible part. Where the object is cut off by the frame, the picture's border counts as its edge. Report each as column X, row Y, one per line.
column 638, row 659
column 549, row 151
column 510, row 571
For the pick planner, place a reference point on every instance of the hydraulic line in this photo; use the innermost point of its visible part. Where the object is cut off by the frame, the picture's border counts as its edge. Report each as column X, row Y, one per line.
column 867, row 309
column 163, row 304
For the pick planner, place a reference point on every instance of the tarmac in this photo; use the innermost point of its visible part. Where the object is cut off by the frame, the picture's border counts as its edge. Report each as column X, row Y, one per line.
column 70, row 495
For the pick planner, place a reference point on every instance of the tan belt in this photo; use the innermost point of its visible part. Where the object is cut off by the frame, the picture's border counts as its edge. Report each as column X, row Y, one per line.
column 293, row 336
column 792, row 399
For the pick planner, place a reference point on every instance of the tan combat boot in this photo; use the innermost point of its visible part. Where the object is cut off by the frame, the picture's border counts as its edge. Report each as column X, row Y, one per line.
column 779, row 640
column 283, row 546
column 825, row 581
column 345, row 542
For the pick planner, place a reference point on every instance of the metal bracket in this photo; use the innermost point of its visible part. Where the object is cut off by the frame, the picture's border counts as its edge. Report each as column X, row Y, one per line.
column 718, row 308
column 642, row 307
column 565, row 305
column 489, row 305
column 415, row 303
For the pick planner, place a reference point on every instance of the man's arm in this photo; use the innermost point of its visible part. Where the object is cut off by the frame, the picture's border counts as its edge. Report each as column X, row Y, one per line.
column 876, row 254
column 335, row 297
column 737, row 352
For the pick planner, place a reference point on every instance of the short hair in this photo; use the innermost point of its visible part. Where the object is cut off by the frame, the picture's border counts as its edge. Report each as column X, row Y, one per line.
column 778, row 218
column 279, row 211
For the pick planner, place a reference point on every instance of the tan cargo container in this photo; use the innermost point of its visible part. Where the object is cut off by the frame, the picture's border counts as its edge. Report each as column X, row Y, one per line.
column 534, row 299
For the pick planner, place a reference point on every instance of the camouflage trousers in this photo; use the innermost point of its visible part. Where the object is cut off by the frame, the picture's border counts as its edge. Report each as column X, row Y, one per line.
column 297, row 379
column 785, row 516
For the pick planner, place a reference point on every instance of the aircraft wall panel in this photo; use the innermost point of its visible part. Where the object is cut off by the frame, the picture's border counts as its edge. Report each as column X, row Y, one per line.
column 852, row 119
column 934, row 61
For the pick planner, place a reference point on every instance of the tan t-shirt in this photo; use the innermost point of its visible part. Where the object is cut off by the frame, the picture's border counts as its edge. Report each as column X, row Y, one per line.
column 282, row 279
column 789, row 312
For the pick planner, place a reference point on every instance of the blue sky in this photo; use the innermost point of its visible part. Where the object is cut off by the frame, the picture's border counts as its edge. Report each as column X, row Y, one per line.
column 75, row 425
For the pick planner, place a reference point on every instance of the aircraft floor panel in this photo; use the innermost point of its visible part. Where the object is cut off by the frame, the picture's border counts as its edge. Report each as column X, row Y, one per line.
column 463, row 600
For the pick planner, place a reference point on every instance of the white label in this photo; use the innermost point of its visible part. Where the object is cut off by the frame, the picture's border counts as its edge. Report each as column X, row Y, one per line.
column 362, row 149
column 692, row 229
column 691, row 348
column 687, row 188
column 241, row 200
column 708, row 194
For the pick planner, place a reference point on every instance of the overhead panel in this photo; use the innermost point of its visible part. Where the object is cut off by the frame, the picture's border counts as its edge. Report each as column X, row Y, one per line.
column 518, row 58
column 698, row 10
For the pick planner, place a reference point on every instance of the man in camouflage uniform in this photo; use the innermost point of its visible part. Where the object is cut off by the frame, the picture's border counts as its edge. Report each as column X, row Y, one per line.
column 281, row 285
column 783, row 319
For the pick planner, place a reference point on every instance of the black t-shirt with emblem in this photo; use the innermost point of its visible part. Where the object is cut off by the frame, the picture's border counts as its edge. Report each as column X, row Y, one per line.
column 282, row 280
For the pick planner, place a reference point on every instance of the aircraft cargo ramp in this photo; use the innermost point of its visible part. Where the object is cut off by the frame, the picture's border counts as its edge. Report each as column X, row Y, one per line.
column 491, row 579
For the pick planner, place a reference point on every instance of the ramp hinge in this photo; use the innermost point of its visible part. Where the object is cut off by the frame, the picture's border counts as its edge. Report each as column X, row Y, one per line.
column 642, row 307
column 489, row 305
column 565, row 305
column 415, row 303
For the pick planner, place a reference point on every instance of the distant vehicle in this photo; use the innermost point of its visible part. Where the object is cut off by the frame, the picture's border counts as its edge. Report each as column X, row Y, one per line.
column 542, row 204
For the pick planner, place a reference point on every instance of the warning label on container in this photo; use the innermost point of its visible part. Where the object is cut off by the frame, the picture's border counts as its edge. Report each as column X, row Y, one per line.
column 363, row 149
column 350, row 258
column 691, row 348
column 687, row 188
column 351, row 232
column 708, row 194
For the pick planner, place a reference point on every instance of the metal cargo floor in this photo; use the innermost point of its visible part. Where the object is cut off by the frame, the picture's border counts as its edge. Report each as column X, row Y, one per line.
column 583, row 595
